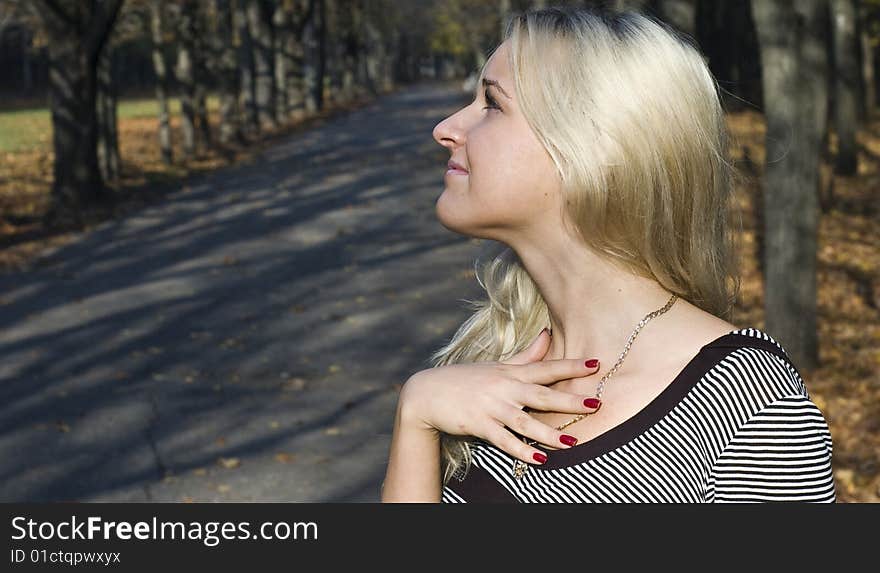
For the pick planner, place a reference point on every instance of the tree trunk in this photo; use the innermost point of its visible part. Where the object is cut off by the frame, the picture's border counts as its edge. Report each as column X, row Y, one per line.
column 186, row 78
column 794, row 73
column 681, row 14
column 27, row 75
column 352, row 52
column 504, row 13
column 200, row 76
column 374, row 51
column 334, row 52
column 295, row 51
column 311, row 60
column 282, row 26
column 203, row 123
column 77, row 36
column 261, row 39
column 247, row 85
column 160, row 68
column 868, row 73
column 108, row 140
column 227, row 73
column 391, row 60
column 621, row 5
column 72, row 89
column 846, row 85
column 320, row 75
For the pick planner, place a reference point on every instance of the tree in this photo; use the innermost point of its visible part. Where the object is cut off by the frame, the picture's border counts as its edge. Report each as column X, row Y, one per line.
column 226, row 71
column 160, row 68
column 321, row 67
column 261, row 42
column 246, row 66
column 847, row 84
column 108, row 138
column 869, row 25
column 505, row 11
column 289, row 22
column 794, row 63
column 310, row 49
column 185, row 77
column 620, row 5
column 681, row 14
column 78, row 31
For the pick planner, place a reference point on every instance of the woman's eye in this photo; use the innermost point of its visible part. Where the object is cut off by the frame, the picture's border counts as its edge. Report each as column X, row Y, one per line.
column 492, row 103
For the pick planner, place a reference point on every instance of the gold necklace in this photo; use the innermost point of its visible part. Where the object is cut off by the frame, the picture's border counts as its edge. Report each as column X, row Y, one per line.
column 519, row 466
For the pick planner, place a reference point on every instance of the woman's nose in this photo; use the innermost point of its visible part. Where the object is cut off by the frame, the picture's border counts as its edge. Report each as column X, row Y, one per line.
column 447, row 133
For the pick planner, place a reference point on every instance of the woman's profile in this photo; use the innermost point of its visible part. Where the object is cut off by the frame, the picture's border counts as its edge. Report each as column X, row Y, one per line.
column 601, row 367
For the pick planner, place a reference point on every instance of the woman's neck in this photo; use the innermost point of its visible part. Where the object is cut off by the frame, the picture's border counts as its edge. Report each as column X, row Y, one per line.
column 595, row 307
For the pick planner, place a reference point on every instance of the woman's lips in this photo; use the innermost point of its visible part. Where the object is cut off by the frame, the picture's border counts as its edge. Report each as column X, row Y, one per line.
column 456, row 172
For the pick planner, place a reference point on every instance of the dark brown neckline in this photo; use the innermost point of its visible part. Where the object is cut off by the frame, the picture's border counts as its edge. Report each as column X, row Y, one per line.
column 708, row 355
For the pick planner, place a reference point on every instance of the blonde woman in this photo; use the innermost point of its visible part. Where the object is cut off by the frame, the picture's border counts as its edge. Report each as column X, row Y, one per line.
column 594, row 153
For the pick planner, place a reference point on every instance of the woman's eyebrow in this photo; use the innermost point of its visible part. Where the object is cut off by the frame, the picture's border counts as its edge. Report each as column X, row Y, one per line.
column 490, row 82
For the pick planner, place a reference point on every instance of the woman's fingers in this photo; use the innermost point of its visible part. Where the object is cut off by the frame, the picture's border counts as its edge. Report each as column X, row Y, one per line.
column 550, row 371
column 529, row 427
column 550, row 400
column 514, row 446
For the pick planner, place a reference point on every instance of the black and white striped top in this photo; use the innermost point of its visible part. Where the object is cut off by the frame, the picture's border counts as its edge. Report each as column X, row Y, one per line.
column 736, row 425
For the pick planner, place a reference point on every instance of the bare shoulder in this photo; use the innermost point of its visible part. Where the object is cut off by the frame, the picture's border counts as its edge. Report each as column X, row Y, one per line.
column 693, row 328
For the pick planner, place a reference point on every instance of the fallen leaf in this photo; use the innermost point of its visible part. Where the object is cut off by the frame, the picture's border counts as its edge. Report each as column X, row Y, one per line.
column 229, row 463
column 293, row 384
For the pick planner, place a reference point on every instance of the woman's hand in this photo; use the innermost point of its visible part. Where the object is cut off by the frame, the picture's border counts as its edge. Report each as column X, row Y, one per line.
column 480, row 399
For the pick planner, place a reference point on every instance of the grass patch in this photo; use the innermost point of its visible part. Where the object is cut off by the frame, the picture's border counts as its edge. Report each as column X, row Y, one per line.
column 31, row 129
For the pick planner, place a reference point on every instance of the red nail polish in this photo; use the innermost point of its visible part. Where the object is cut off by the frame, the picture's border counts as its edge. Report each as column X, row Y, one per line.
column 591, row 363
column 568, row 440
column 592, row 402
column 539, row 457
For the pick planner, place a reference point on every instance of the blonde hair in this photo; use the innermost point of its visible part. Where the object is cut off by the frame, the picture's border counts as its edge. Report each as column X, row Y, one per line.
column 631, row 116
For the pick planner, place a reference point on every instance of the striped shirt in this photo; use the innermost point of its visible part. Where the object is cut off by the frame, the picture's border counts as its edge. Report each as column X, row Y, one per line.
column 736, row 425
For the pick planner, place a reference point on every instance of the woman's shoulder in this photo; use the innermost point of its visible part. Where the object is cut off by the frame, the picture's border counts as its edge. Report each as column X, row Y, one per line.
column 752, row 372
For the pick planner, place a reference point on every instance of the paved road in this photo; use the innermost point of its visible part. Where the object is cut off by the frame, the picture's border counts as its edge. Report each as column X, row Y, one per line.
column 242, row 339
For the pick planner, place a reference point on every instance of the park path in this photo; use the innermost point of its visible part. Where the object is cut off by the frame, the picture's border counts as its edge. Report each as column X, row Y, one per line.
column 243, row 339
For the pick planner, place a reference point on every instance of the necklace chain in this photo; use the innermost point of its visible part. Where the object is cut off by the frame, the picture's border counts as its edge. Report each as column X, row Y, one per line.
column 519, row 466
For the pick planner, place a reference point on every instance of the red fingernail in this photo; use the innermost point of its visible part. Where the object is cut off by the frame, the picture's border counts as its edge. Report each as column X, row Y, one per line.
column 539, row 457
column 592, row 402
column 591, row 363
column 568, row 440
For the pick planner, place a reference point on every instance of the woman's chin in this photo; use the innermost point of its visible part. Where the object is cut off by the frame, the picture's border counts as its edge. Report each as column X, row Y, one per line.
column 449, row 218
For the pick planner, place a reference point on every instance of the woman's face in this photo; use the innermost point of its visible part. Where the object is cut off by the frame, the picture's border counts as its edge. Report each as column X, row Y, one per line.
column 511, row 187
